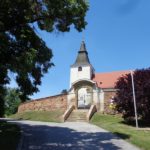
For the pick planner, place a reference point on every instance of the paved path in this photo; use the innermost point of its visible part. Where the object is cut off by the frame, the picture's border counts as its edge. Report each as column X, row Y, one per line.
column 68, row 136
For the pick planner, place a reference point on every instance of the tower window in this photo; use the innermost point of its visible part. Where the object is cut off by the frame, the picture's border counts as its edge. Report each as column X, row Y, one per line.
column 80, row 68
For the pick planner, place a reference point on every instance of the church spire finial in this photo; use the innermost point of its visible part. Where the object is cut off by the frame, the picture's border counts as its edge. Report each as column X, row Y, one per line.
column 83, row 47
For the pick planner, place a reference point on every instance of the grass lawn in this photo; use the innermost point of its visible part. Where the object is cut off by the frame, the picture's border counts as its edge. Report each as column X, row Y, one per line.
column 140, row 138
column 9, row 136
column 47, row 116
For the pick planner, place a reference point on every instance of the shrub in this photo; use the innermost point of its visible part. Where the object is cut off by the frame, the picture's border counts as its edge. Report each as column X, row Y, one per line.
column 124, row 96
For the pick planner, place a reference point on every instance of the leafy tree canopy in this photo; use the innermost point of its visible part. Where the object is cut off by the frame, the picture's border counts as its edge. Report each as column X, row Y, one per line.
column 64, row 91
column 12, row 101
column 21, row 50
column 124, row 97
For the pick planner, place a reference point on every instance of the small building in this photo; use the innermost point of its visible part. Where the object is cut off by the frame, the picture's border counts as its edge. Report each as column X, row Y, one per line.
column 88, row 87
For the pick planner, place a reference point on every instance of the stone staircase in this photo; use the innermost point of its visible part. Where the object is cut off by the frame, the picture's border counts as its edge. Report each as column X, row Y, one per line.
column 78, row 115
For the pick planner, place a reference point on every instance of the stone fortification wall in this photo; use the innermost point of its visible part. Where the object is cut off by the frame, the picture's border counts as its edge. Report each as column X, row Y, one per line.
column 108, row 108
column 45, row 104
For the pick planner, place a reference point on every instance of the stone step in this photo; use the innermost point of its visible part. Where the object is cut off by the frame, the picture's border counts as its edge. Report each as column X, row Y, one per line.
column 78, row 115
column 80, row 110
column 72, row 120
column 76, row 118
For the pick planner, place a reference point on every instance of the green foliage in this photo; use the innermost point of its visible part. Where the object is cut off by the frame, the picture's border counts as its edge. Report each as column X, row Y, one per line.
column 22, row 52
column 64, row 91
column 49, row 14
column 12, row 101
column 2, row 95
column 124, row 97
column 116, row 125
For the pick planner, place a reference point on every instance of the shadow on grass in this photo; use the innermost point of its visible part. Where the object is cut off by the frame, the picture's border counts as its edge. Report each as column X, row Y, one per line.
column 39, row 137
column 141, row 123
column 122, row 135
column 9, row 135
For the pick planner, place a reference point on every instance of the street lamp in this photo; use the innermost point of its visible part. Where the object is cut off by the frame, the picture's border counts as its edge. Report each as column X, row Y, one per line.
column 134, row 99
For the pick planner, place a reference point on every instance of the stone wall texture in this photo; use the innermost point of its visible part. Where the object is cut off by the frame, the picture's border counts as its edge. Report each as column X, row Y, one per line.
column 107, row 97
column 45, row 104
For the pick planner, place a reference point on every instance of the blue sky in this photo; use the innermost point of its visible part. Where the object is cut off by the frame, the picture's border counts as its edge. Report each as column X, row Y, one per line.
column 117, row 38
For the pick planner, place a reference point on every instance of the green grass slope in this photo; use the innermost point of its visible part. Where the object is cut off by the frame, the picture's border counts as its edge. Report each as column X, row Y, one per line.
column 140, row 137
column 47, row 116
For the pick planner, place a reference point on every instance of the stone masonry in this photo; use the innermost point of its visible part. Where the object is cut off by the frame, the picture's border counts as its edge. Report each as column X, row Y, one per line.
column 45, row 104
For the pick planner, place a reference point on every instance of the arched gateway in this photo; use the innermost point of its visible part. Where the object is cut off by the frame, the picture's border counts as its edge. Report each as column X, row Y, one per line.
column 84, row 93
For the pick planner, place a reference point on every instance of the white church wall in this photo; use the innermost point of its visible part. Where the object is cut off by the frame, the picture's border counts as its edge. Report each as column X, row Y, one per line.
column 95, row 96
column 77, row 75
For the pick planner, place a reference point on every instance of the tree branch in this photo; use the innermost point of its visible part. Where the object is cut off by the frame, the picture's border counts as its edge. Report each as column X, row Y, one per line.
column 23, row 23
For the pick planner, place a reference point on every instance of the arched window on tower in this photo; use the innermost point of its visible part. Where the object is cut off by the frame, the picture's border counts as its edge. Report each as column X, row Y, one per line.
column 80, row 68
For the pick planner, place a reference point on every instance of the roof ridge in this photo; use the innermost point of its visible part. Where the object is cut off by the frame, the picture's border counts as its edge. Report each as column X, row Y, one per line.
column 112, row 72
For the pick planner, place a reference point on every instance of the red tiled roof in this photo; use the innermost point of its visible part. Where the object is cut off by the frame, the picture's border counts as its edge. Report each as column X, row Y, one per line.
column 108, row 80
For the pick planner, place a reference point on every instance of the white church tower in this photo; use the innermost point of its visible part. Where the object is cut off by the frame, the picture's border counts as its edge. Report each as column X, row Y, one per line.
column 81, row 69
column 83, row 91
